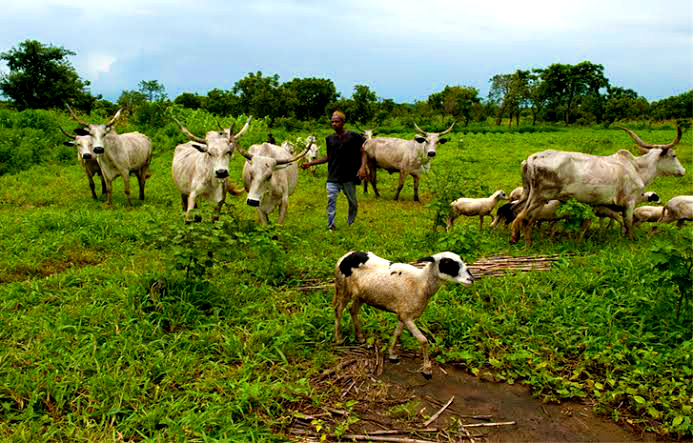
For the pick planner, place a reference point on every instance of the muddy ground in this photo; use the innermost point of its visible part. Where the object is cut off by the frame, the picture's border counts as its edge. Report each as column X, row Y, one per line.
column 367, row 398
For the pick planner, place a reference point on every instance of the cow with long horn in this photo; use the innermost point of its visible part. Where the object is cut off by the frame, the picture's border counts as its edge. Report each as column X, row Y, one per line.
column 200, row 167
column 616, row 180
column 270, row 174
column 117, row 154
column 408, row 157
column 87, row 159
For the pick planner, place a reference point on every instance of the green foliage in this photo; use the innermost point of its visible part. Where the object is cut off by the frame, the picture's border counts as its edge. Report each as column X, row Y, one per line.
column 41, row 77
column 672, row 263
column 574, row 215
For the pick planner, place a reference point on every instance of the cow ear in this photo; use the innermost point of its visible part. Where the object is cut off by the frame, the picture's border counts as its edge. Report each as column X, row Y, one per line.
column 69, row 143
column 81, row 131
column 442, row 141
column 420, row 139
column 200, row 148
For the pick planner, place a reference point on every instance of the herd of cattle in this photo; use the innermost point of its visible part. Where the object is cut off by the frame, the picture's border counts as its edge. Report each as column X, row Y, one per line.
column 613, row 185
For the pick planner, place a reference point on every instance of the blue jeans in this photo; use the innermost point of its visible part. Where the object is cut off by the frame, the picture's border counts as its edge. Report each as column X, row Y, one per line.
column 349, row 190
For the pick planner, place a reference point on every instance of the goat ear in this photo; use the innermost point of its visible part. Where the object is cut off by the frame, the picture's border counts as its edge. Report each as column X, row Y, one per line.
column 426, row 259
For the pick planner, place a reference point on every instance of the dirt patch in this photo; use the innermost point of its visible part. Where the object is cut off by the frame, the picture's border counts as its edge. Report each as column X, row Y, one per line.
column 365, row 397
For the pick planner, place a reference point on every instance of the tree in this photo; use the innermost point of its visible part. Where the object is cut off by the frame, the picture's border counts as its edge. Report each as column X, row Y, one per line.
column 679, row 107
column 41, row 77
column 222, row 103
column 259, row 96
column 567, row 85
column 623, row 104
column 456, row 101
column 307, row 98
column 363, row 101
column 189, row 100
column 152, row 90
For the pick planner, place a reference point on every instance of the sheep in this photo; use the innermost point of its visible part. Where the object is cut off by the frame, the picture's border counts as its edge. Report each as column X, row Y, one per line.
column 678, row 209
column 474, row 206
column 647, row 214
column 403, row 289
column 517, row 194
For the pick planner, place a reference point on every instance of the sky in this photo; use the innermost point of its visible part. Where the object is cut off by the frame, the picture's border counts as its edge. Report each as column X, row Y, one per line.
column 402, row 50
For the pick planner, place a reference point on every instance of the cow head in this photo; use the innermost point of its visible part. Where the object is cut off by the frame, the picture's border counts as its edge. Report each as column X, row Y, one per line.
column 431, row 139
column 667, row 163
column 217, row 145
column 97, row 133
column 83, row 143
column 260, row 169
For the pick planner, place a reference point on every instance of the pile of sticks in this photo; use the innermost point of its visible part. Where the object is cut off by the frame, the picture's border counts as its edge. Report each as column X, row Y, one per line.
column 500, row 265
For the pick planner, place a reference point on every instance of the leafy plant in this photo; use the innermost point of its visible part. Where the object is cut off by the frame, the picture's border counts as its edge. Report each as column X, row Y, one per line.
column 672, row 262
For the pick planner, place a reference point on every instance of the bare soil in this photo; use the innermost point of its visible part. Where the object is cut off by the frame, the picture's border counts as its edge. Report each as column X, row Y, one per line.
column 393, row 401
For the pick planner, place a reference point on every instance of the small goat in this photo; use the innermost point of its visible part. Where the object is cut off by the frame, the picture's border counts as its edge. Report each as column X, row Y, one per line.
column 517, row 194
column 474, row 206
column 647, row 214
column 363, row 277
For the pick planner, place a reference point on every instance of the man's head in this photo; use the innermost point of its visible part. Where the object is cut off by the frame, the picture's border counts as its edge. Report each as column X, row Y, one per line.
column 338, row 121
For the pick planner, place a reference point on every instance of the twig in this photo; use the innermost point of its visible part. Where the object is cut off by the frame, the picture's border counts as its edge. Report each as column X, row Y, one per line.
column 435, row 416
column 478, row 425
column 389, row 439
column 351, row 385
column 335, row 411
column 336, row 368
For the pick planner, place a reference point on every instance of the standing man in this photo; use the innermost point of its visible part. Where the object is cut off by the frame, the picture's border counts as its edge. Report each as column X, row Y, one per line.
column 346, row 166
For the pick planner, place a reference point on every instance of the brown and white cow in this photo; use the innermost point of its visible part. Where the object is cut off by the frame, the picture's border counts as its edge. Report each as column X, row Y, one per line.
column 615, row 180
column 87, row 160
column 408, row 157
column 200, row 167
column 270, row 174
column 118, row 154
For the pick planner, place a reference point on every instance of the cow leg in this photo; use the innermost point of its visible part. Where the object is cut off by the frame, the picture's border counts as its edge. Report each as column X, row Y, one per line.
column 109, row 191
column 141, row 179
column 416, row 187
column 481, row 222
column 628, row 221
column 283, row 207
column 263, row 217
column 126, row 184
column 427, row 368
column 104, row 189
column 190, row 206
column 92, row 187
column 372, row 177
column 217, row 210
column 184, row 202
column 402, row 177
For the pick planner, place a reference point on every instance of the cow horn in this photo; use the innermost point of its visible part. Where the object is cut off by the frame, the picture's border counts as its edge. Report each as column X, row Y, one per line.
column 449, row 129
column 74, row 116
column 419, row 129
column 244, row 153
column 647, row 146
column 67, row 134
column 285, row 162
column 190, row 136
column 115, row 117
column 244, row 129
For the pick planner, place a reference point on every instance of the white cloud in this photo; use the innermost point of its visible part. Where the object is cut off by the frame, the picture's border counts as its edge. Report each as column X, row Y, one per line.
column 97, row 64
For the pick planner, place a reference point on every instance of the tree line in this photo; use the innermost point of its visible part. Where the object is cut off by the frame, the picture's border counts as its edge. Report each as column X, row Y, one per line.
column 41, row 77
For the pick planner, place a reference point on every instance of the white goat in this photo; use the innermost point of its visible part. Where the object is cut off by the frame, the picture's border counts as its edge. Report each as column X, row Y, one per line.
column 647, row 214
column 517, row 194
column 474, row 206
column 363, row 277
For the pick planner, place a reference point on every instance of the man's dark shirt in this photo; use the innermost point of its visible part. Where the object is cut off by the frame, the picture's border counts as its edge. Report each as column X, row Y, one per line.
column 345, row 157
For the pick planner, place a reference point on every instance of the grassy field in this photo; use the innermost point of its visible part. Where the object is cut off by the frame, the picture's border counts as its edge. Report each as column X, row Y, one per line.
column 125, row 324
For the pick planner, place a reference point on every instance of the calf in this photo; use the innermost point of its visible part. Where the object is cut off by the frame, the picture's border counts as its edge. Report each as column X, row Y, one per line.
column 87, row 160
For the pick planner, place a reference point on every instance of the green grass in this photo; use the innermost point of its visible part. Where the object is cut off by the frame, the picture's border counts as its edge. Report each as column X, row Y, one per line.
column 103, row 337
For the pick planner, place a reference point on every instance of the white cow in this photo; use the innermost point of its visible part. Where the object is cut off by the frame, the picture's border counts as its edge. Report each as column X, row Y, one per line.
column 87, row 160
column 118, row 154
column 408, row 157
column 616, row 180
column 269, row 175
column 201, row 167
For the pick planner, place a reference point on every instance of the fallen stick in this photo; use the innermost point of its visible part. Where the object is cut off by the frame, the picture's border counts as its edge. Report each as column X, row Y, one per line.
column 479, row 425
column 339, row 367
column 440, row 411
column 346, row 391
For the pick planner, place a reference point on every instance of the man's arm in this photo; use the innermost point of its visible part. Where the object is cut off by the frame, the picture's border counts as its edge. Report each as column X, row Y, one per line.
column 315, row 162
